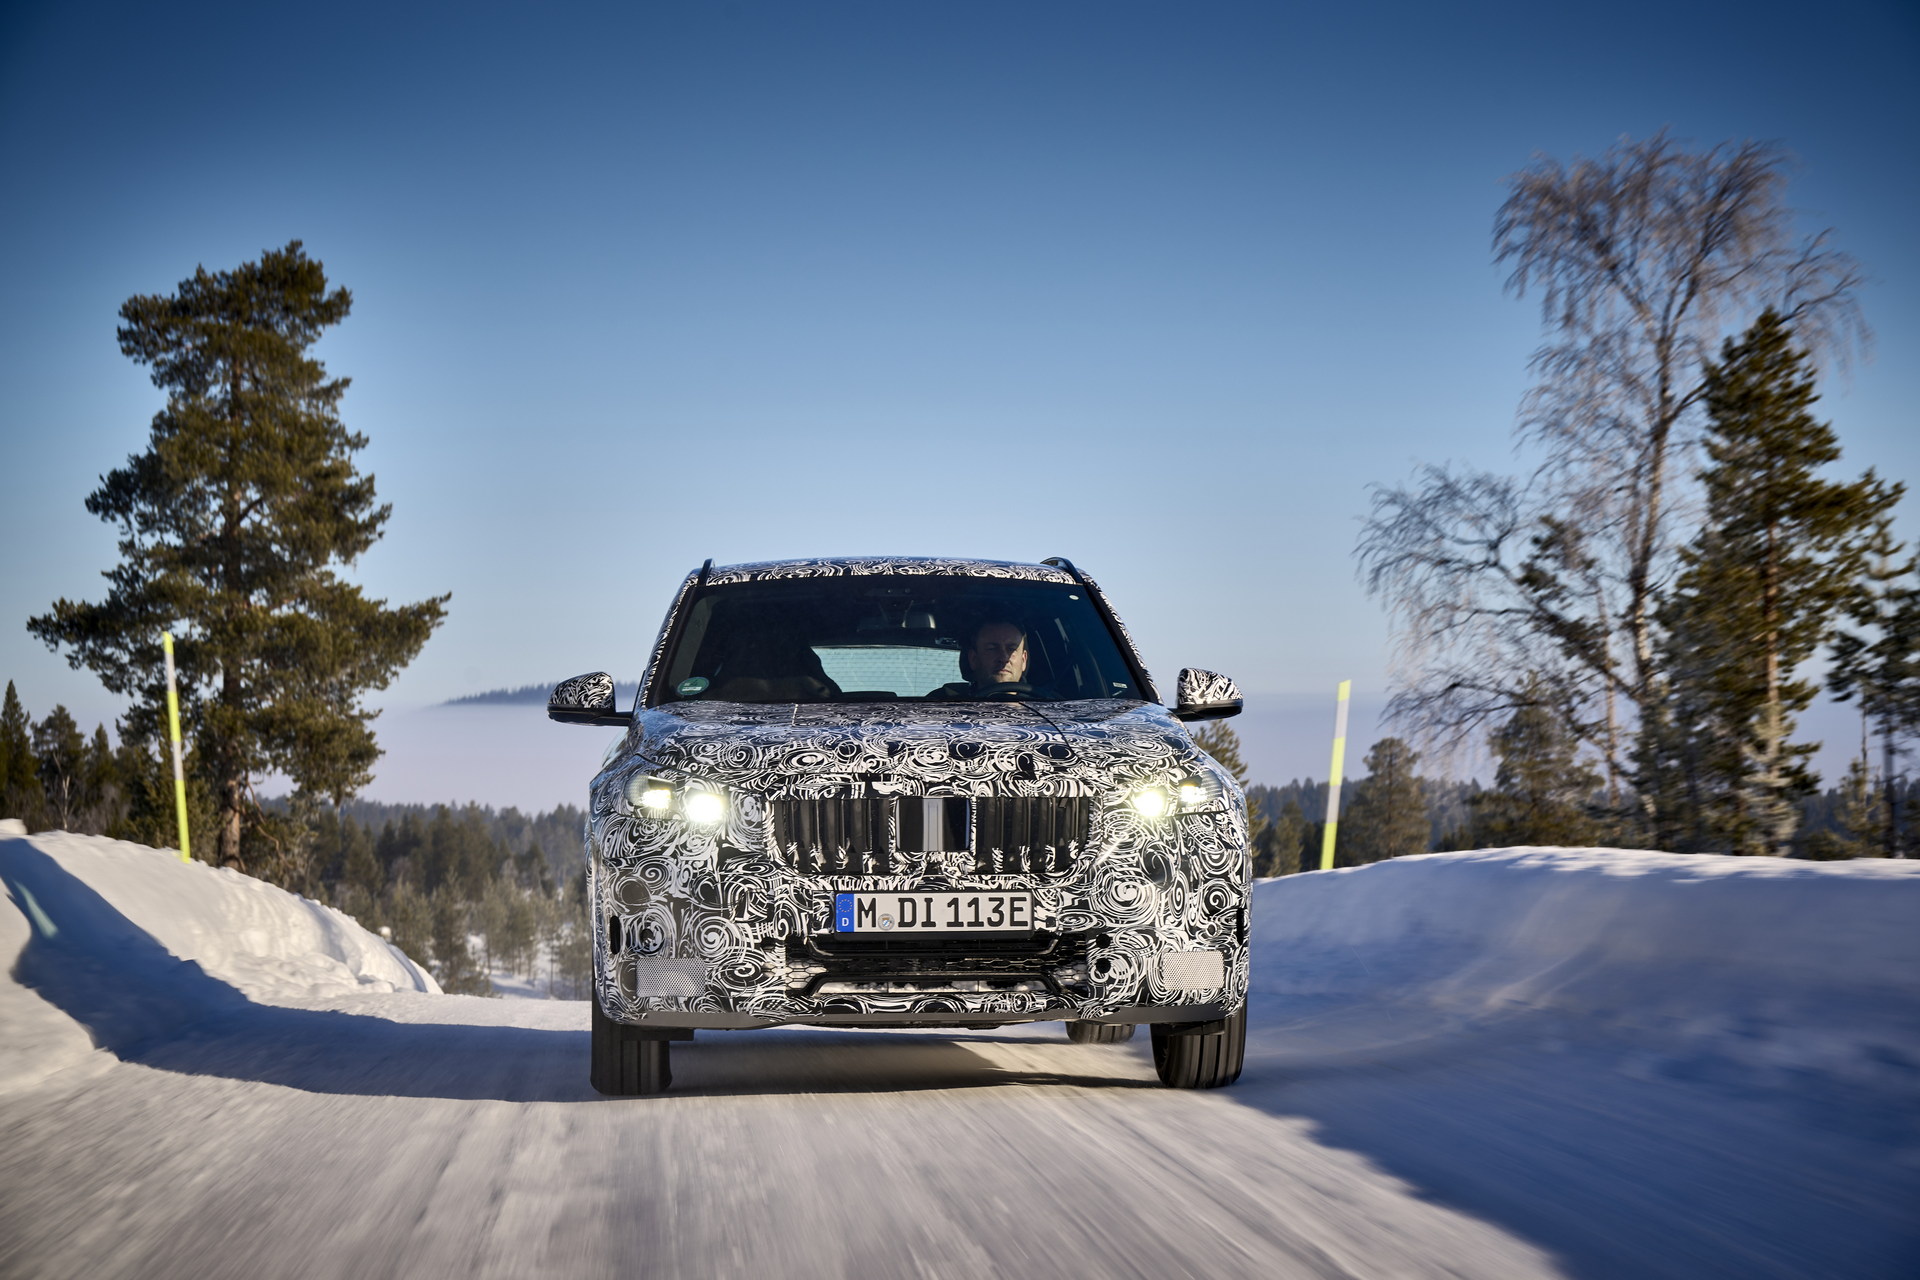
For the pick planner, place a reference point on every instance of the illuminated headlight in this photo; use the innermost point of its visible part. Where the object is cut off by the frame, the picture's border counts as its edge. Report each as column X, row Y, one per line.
column 1150, row 802
column 1202, row 791
column 698, row 803
column 650, row 794
column 703, row 808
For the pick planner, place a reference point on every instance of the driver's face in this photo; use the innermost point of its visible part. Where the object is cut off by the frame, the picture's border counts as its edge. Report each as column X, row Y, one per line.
column 999, row 654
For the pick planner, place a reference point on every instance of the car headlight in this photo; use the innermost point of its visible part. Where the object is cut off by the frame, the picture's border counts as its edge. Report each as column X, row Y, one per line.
column 698, row 803
column 1190, row 795
column 703, row 808
column 1201, row 791
column 653, row 795
column 1150, row 802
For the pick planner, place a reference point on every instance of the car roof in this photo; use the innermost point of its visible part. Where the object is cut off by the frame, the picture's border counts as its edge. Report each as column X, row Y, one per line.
column 856, row 566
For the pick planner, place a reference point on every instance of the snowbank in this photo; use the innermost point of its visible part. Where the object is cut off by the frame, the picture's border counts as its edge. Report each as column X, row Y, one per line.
column 1784, row 966
column 145, row 929
column 1793, row 966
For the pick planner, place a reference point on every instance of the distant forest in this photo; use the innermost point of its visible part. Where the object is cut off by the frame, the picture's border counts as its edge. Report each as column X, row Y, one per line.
column 559, row 834
column 440, row 879
column 1446, row 803
column 1835, row 823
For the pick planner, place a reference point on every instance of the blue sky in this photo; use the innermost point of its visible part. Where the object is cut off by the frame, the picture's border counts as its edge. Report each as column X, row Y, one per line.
column 1163, row 288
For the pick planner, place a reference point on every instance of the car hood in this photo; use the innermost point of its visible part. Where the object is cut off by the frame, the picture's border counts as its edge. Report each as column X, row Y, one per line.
column 964, row 748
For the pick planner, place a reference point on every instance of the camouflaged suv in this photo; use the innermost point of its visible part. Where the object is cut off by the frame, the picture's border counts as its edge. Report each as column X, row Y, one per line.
column 902, row 792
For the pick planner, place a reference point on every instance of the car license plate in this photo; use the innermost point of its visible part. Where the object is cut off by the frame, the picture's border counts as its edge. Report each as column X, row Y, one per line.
column 923, row 913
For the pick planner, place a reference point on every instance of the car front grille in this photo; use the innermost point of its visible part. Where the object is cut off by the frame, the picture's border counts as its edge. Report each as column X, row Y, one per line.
column 891, row 835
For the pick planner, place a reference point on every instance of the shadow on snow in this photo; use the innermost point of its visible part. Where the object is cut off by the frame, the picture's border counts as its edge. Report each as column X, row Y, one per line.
column 1615, row 1157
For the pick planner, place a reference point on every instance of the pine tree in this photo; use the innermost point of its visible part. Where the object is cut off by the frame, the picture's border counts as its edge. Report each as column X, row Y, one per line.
column 1855, row 822
column 1223, row 744
column 1541, row 789
column 520, row 945
column 105, row 792
column 454, row 965
column 1663, row 771
column 534, row 872
column 408, row 914
column 399, row 851
column 1282, row 849
column 62, row 751
column 1218, row 740
column 358, row 863
column 438, row 860
column 20, row 795
column 232, row 523
column 492, row 911
column 1761, row 584
column 1389, row 814
column 1880, row 665
column 572, row 938
column 151, row 816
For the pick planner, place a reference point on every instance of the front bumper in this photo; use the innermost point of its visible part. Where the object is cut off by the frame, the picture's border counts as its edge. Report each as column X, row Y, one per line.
column 1149, row 924
column 704, row 1020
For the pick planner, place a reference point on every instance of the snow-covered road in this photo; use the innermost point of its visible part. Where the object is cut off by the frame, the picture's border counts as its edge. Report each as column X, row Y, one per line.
column 1391, row 1122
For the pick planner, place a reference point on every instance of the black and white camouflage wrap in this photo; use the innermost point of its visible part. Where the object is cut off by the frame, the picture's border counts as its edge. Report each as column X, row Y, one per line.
column 1206, row 688
column 713, row 921
column 593, row 692
column 864, row 566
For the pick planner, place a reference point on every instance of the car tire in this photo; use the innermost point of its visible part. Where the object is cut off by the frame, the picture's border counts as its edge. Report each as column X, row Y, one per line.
column 624, row 1064
column 1099, row 1032
column 1201, row 1060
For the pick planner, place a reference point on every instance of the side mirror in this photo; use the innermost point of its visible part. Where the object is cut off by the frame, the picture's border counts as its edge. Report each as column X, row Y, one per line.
column 1207, row 695
column 585, row 699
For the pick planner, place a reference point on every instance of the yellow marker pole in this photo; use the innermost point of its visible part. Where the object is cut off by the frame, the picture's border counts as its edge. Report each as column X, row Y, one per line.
column 1333, row 785
column 173, row 734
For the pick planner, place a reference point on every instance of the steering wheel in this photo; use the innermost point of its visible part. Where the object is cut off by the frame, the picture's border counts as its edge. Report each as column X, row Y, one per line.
column 1006, row 691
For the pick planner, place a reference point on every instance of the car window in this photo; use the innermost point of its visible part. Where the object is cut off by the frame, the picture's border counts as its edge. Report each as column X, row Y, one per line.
column 901, row 670
column 868, row 637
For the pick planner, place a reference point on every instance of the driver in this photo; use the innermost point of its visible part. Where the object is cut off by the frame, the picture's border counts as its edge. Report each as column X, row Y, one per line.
column 995, row 662
column 998, row 654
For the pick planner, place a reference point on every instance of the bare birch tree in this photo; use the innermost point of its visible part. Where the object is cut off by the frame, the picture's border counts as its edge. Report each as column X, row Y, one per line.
column 1644, row 260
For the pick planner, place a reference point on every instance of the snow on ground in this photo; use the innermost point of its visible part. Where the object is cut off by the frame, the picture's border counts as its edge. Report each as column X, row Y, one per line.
column 1781, row 966
column 1528, row 1062
column 141, row 913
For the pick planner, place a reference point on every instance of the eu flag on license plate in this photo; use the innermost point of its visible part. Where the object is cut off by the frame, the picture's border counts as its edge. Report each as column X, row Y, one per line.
column 843, row 913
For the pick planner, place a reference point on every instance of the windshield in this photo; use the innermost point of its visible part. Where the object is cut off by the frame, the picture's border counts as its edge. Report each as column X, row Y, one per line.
column 875, row 638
